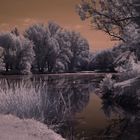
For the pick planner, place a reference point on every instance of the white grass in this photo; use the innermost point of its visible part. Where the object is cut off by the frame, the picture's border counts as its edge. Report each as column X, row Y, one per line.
column 22, row 99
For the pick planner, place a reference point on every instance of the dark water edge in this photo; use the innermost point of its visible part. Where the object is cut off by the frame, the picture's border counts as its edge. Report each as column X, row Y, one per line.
column 69, row 104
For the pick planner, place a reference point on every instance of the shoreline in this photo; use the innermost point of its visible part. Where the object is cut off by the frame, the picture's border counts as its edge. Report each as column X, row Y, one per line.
column 14, row 128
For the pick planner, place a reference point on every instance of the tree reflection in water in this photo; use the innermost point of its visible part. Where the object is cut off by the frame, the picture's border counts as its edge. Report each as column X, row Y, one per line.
column 55, row 100
column 126, row 126
column 52, row 100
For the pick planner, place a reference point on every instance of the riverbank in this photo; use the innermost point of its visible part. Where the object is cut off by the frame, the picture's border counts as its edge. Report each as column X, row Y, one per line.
column 13, row 128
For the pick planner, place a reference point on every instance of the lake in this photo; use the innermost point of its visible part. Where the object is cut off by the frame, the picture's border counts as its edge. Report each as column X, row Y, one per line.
column 70, row 105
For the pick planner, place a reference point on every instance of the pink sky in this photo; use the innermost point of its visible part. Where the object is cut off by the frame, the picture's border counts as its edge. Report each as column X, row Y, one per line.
column 22, row 13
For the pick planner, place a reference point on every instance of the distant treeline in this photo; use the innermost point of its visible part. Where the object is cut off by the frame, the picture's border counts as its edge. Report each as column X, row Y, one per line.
column 43, row 49
column 53, row 49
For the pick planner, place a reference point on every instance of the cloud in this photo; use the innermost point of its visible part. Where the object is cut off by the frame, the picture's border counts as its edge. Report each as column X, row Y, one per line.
column 28, row 21
column 78, row 26
column 4, row 26
column 74, row 27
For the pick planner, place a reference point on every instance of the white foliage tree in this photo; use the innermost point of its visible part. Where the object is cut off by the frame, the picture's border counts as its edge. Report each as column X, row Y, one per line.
column 52, row 45
column 45, row 45
column 110, row 16
column 26, row 57
column 2, row 66
column 15, row 54
column 74, row 51
column 57, row 49
column 37, row 34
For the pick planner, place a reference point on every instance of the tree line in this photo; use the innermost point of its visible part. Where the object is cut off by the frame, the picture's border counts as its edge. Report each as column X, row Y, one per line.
column 49, row 49
column 53, row 49
column 43, row 49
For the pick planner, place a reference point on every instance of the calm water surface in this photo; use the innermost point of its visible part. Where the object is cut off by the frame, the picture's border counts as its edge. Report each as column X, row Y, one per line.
column 70, row 105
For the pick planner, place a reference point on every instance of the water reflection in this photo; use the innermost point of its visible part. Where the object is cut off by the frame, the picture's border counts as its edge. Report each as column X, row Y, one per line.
column 126, row 123
column 52, row 100
column 56, row 101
